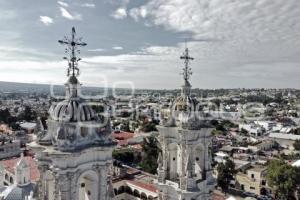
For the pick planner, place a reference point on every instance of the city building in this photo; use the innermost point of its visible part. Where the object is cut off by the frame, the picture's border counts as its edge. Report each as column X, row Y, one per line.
column 75, row 153
column 253, row 180
column 184, row 166
column 18, row 178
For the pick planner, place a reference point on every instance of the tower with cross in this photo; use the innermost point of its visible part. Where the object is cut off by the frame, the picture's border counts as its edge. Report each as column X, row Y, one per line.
column 75, row 153
column 72, row 45
column 187, row 72
column 184, row 166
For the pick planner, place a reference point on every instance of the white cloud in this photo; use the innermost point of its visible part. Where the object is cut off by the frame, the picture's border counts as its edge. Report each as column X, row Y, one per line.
column 120, row 13
column 46, row 20
column 137, row 13
column 231, row 36
column 97, row 50
column 63, row 3
column 117, row 48
column 88, row 5
column 66, row 14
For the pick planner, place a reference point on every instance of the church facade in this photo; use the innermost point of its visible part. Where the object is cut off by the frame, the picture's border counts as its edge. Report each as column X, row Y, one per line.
column 184, row 166
column 75, row 153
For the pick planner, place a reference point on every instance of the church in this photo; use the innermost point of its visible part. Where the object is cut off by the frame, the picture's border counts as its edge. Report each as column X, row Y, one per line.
column 74, row 154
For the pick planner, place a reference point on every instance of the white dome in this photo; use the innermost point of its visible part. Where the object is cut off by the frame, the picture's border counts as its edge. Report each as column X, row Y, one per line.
column 72, row 110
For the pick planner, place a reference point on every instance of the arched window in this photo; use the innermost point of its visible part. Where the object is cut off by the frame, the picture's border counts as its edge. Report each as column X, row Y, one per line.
column 128, row 190
column 6, row 177
column 143, row 196
column 150, row 197
column 136, row 193
column 11, row 180
column 121, row 190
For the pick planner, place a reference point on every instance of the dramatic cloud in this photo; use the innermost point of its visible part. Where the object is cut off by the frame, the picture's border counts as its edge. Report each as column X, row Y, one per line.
column 120, row 13
column 235, row 43
column 46, row 20
column 66, row 14
column 231, row 36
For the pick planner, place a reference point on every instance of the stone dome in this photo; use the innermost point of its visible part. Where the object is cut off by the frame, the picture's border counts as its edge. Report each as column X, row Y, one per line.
column 72, row 110
column 185, row 103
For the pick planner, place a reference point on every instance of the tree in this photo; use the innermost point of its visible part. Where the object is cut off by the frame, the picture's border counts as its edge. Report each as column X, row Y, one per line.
column 297, row 131
column 283, row 178
column 297, row 145
column 217, row 102
column 28, row 114
column 148, row 127
column 126, row 156
column 150, row 155
column 226, row 173
column 125, row 126
column 4, row 115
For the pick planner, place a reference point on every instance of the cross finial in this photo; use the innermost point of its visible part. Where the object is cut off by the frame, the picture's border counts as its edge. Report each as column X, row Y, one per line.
column 71, row 49
column 187, row 71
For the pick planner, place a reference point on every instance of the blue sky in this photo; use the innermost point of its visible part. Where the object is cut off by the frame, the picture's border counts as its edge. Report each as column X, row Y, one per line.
column 248, row 43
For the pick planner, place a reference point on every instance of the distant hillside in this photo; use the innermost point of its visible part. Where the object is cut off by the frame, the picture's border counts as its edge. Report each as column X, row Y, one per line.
column 23, row 87
column 13, row 87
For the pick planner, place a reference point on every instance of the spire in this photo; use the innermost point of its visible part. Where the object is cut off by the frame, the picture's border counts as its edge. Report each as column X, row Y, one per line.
column 187, row 71
column 71, row 49
column 72, row 45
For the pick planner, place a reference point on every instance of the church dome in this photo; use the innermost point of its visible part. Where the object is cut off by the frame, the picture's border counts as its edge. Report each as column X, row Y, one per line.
column 185, row 103
column 72, row 110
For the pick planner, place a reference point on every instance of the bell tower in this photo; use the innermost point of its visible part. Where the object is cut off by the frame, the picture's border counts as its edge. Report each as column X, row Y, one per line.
column 184, row 167
column 75, row 153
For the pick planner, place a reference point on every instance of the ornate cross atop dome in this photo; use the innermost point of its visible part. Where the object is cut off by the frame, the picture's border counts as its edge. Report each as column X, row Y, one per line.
column 71, row 49
column 187, row 72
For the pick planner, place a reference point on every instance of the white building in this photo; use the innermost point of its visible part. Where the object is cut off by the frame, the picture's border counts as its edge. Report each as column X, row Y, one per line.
column 19, row 185
column 184, row 167
column 75, row 153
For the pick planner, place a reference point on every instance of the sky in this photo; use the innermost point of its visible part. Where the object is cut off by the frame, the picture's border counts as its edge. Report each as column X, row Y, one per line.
column 137, row 43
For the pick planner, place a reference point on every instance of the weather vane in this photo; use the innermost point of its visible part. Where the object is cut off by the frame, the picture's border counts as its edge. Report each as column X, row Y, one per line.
column 71, row 49
column 187, row 71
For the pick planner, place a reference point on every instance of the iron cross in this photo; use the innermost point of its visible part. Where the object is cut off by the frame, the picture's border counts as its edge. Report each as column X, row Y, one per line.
column 71, row 49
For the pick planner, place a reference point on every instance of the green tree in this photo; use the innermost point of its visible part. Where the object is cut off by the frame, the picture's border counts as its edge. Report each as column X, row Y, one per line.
column 126, row 156
column 283, row 178
column 297, row 145
column 148, row 127
column 125, row 126
column 226, row 173
column 297, row 131
column 150, row 155
column 28, row 114
column 4, row 115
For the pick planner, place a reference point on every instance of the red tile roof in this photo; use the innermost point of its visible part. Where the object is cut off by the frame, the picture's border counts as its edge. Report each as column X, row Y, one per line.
column 146, row 186
column 10, row 165
column 122, row 137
